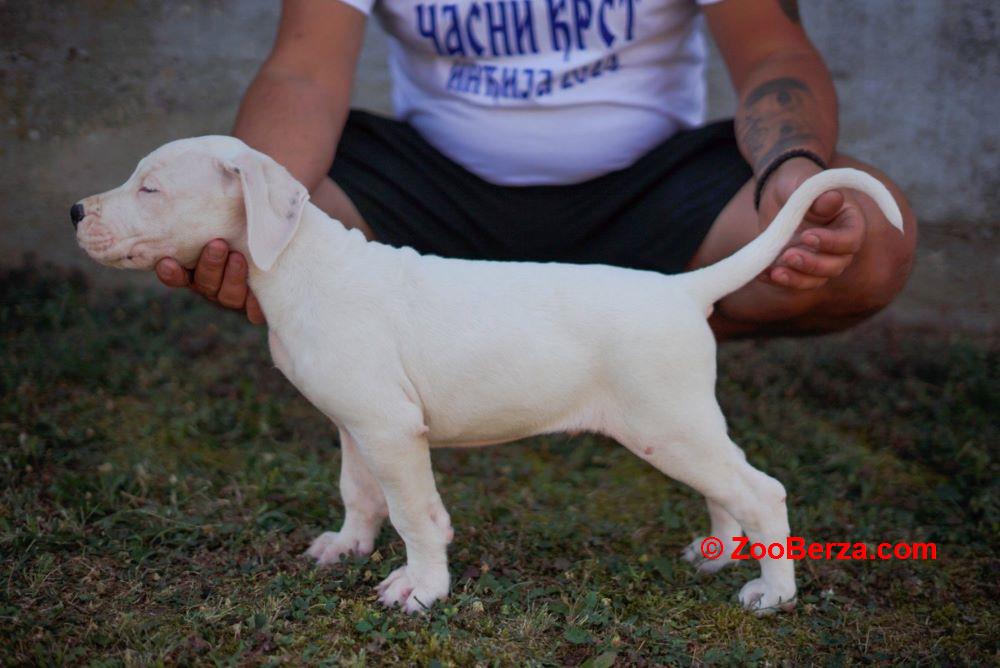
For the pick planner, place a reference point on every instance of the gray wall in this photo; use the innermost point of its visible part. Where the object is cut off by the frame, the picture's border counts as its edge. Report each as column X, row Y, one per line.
column 919, row 87
column 86, row 88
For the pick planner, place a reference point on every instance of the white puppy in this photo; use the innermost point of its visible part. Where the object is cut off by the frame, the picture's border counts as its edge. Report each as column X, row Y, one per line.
column 406, row 352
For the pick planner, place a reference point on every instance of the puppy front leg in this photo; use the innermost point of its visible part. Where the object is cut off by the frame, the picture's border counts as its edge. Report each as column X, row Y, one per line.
column 402, row 466
column 364, row 509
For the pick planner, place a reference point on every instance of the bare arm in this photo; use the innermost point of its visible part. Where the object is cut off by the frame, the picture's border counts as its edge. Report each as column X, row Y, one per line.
column 786, row 96
column 786, row 101
column 296, row 106
column 294, row 110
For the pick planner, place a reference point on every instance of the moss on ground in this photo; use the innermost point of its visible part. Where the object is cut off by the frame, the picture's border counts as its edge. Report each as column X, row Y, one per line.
column 159, row 480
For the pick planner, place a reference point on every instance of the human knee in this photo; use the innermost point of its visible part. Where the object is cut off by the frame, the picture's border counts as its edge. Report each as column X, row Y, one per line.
column 882, row 266
column 882, row 287
column 894, row 256
column 892, row 251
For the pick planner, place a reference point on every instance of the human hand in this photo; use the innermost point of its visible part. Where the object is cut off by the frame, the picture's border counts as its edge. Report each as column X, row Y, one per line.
column 832, row 232
column 220, row 276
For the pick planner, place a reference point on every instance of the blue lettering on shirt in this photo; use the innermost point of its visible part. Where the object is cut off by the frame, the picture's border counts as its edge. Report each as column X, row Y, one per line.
column 558, row 27
column 521, row 83
column 501, row 28
column 582, row 13
column 453, row 38
column 474, row 14
column 430, row 29
column 497, row 26
column 524, row 28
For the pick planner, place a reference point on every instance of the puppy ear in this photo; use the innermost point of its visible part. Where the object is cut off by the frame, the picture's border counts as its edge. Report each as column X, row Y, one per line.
column 274, row 201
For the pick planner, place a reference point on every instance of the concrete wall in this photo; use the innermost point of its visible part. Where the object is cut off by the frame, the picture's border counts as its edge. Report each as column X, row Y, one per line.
column 88, row 87
column 919, row 87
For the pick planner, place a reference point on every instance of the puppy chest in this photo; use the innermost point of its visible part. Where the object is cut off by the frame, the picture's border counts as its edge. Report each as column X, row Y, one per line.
column 280, row 356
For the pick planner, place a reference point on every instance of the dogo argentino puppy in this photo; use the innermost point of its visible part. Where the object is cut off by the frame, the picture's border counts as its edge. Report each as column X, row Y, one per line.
column 405, row 352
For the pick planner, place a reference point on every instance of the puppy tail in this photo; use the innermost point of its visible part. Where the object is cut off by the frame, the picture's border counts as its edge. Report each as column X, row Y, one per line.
column 714, row 282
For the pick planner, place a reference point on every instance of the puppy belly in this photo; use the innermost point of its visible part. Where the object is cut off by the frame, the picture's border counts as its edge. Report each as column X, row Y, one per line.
column 514, row 423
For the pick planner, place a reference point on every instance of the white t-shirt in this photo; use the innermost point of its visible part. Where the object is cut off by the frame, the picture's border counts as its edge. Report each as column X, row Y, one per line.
column 533, row 92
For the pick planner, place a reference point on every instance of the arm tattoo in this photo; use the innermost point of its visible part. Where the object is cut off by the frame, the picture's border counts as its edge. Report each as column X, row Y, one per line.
column 773, row 119
column 791, row 9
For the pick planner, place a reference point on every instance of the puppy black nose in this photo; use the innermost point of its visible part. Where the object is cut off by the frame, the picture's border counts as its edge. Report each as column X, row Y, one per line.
column 76, row 214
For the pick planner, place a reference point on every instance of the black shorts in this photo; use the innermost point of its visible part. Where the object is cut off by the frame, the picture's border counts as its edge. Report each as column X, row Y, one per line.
column 652, row 215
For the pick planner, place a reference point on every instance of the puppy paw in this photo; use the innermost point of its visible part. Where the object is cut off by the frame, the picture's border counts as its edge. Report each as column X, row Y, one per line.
column 330, row 546
column 696, row 551
column 762, row 598
column 413, row 594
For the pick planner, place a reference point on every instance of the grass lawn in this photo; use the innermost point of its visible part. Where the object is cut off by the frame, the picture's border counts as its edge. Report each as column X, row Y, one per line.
column 159, row 480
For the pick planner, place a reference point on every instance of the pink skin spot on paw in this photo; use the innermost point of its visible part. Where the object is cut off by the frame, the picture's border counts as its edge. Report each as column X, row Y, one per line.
column 648, row 451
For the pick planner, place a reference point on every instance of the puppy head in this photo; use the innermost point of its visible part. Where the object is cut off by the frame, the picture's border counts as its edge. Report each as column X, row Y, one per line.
column 186, row 193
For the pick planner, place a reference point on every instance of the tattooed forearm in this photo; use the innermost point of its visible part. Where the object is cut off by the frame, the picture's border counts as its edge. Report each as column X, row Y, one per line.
column 774, row 118
column 783, row 89
column 787, row 99
column 791, row 9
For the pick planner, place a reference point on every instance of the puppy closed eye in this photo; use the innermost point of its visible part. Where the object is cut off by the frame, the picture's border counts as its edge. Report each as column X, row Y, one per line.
column 145, row 189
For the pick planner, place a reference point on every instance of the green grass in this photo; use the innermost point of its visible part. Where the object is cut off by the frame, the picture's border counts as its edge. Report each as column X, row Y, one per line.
column 159, row 480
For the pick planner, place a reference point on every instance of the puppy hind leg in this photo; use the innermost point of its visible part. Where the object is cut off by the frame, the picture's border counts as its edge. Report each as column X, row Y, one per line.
column 364, row 509
column 760, row 507
column 714, row 555
column 715, row 466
